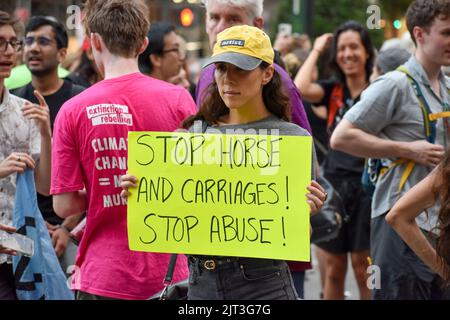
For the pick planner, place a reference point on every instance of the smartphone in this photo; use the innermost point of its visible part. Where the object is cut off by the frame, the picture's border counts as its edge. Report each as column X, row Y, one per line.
column 17, row 242
column 285, row 28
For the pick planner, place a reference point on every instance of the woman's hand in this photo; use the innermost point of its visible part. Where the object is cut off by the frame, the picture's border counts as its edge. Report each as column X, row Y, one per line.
column 323, row 42
column 127, row 181
column 316, row 197
column 17, row 162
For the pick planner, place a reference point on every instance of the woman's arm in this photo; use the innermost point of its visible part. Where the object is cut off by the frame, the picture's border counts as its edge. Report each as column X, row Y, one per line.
column 311, row 91
column 402, row 218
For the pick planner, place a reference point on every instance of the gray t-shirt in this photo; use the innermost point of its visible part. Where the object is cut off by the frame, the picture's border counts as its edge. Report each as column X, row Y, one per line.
column 271, row 125
column 390, row 109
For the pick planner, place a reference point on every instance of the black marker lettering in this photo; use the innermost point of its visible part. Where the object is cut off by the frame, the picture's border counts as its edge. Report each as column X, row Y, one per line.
column 150, row 149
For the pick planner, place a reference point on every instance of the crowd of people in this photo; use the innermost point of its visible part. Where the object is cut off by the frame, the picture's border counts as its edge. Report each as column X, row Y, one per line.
column 382, row 114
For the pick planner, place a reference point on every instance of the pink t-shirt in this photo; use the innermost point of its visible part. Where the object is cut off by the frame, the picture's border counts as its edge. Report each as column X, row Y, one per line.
column 90, row 151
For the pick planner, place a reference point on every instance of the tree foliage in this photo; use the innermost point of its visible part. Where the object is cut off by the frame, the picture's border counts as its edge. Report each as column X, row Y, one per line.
column 328, row 15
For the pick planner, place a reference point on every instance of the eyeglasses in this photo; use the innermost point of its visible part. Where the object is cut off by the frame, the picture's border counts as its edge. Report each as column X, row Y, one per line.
column 41, row 41
column 15, row 44
column 179, row 51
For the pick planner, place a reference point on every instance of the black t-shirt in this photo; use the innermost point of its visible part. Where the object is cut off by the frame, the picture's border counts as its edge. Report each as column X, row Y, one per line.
column 78, row 80
column 54, row 102
column 319, row 132
column 340, row 163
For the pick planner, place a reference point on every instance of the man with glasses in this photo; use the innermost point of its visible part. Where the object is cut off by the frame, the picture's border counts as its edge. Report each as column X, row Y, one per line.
column 163, row 58
column 15, row 44
column 23, row 142
column 45, row 47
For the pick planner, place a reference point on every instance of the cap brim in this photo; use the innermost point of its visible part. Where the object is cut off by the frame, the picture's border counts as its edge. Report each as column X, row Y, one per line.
column 242, row 61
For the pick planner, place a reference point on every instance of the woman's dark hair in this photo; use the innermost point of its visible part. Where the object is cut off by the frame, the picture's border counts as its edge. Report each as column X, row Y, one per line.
column 158, row 31
column 443, row 240
column 366, row 41
column 86, row 70
column 213, row 107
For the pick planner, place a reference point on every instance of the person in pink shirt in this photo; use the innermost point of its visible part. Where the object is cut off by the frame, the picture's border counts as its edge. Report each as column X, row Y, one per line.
column 90, row 153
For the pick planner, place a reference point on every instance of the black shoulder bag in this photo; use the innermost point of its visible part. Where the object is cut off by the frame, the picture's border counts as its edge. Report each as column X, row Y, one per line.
column 328, row 221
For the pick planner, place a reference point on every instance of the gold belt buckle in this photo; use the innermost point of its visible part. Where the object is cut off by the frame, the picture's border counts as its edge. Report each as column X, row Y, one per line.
column 210, row 265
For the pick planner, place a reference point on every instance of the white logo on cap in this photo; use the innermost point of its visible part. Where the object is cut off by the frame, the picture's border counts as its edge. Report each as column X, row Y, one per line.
column 232, row 42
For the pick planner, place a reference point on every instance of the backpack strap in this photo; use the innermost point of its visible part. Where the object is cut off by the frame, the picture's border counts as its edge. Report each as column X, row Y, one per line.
column 440, row 115
column 429, row 122
column 430, row 125
column 406, row 173
column 335, row 103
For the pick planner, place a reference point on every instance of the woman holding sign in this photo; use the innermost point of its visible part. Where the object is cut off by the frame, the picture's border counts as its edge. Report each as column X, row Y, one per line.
column 246, row 95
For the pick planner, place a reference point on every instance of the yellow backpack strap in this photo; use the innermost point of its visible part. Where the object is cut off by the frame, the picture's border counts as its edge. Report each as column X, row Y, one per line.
column 406, row 173
column 441, row 115
column 435, row 116
column 430, row 127
column 429, row 122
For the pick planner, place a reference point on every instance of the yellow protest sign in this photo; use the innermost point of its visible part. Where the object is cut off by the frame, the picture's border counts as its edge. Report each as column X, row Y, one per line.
column 222, row 195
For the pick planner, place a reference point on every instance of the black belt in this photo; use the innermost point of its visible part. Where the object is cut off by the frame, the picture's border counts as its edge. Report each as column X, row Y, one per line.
column 211, row 262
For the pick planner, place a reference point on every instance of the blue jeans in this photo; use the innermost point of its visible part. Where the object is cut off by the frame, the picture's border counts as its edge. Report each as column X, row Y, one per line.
column 214, row 278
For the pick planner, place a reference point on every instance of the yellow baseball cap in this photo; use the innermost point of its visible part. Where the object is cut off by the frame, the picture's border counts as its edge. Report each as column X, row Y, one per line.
column 243, row 46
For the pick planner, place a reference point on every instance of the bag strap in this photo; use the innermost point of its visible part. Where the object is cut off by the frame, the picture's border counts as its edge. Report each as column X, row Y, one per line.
column 169, row 276
column 320, row 146
column 204, row 126
column 171, row 269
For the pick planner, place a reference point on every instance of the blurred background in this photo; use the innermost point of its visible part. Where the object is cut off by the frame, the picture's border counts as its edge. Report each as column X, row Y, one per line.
column 311, row 17
column 292, row 24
